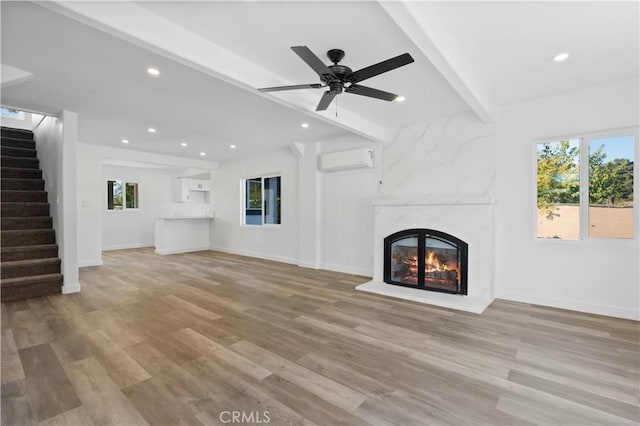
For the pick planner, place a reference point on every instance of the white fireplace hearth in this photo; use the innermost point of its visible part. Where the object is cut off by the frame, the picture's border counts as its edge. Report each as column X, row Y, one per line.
column 470, row 220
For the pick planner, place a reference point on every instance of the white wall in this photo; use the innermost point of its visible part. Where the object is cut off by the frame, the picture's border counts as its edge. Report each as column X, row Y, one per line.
column 158, row 195
column 346, row 223
column 270, row 242
column 134, row 228
column 57, row 151
column 593, row 276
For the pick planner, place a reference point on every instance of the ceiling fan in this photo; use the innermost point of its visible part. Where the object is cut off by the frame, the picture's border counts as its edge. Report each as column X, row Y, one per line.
column 339, row 78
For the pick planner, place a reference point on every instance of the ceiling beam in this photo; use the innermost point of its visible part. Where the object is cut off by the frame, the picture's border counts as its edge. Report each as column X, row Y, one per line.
column 12, row 76
column 421, row 23
column 137, row 25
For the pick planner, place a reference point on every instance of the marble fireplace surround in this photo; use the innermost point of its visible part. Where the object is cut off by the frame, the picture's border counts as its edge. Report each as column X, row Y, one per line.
column 470, row 219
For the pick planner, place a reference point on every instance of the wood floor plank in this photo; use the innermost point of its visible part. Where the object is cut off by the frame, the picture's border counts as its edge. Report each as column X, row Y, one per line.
column 183, row 339
column 159, row 405
column 101, row 396
column 77, row 416
column 339, row 395
column 123, row 369
column 16, row 409
column 49, row 389
column 11, row 364
column 208, row 347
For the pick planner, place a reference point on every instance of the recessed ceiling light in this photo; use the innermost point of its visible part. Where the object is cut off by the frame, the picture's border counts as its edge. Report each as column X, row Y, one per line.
column 183, row 143
column 125, row 140
column 400, row 99
column 153, row 71
column 232, row 146
column 561, row 57
column 151, row 130
column 305, row 125
column 203, row 153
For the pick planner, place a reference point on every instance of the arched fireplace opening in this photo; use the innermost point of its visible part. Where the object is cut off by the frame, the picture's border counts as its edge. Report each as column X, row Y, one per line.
column 426, row 259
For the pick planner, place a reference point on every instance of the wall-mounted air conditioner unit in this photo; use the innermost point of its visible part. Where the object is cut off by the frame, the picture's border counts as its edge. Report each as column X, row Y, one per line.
column 347, row 160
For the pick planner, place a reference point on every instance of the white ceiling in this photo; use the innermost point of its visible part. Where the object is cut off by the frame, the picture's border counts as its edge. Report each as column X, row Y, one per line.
column 213, row 55
column 263, row 33
column 510, row 45
column 104, row 80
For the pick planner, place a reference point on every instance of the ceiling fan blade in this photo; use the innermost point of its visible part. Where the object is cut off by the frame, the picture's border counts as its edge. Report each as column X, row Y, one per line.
column 379, row 68
column 312, row 60
column 356, row 89
column 295, row 87
column 325, row 101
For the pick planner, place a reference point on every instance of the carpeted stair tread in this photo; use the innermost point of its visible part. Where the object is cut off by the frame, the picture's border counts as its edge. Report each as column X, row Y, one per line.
column 12, row 132
column 17, row 143
column 28, row 195
column 28, row 290
column 12, row 151
column 17, row 173
column 34, row 222
column 22, row 184
column 19, row 162
column 19, row 281
column 27, row 237
column 36, row 251
column 24, row 209
column 29, row 267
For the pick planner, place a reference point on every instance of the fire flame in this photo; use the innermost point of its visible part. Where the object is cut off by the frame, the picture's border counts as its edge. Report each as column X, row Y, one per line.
column 432, row 263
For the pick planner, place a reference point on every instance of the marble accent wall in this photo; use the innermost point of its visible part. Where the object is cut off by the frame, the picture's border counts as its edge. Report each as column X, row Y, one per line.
column 451, row 157
column 440, row 175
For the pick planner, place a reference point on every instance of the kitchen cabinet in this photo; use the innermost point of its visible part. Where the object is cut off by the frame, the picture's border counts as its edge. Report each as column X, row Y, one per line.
column 186, row 185
column 199, row 185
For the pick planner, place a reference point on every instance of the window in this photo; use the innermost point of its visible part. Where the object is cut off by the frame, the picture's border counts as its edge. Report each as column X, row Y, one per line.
column 11, row 113
column 261, row 201
column 585, row 188
column 121, row 195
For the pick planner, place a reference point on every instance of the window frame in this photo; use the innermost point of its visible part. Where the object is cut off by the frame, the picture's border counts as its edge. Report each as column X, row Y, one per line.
column 584, row 140
column 243, row 200
column 124, row 195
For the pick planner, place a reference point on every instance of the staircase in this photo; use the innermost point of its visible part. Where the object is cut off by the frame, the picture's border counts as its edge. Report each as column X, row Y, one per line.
column 29, row 263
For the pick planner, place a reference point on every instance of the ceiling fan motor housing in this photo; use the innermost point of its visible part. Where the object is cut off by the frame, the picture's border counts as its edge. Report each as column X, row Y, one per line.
column 335, row 55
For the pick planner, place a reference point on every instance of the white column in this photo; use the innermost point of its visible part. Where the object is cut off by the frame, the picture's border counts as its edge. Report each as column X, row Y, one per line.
column 309, row 203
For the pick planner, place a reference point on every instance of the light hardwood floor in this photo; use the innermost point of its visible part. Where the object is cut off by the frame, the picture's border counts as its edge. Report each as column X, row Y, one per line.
column 186, row 339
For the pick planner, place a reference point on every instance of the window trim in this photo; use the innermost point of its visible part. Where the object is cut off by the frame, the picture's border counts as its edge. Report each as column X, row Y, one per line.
column 124, row 200
column 584, row 139
column 243, row 199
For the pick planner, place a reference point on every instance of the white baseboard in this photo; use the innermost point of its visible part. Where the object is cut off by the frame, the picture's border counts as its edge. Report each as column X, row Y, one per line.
column 87, row 263
column 68, row 288
column 346, row 269
column 166, row 252
column 571, row 305
column 128, row 246
column 308, row 265
column 265, row 256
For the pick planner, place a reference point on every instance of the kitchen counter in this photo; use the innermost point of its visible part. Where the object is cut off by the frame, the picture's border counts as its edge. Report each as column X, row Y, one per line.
column 182, row 234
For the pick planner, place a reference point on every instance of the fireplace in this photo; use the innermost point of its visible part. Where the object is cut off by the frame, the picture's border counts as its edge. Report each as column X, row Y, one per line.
column 426, row 259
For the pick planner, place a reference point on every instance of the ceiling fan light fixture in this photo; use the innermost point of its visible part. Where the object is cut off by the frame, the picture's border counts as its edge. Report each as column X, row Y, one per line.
column 400, row 99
